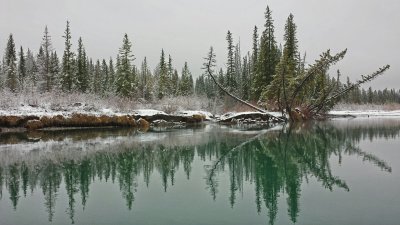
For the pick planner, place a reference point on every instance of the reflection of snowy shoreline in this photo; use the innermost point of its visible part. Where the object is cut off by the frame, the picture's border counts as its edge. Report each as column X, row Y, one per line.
column 66, row 146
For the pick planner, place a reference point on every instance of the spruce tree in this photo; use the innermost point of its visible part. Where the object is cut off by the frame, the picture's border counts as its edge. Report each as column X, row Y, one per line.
column 67, row 76
column 125, row 73
column 54, row 69
column 290, row 37
column 221, row 81
column 175, row 83
column 82, row 73
column 245, row 84
column 22, row 68
column 238, row 70
column 286, row 70
column 255, row 49
column 145, row 80
column 267, row 58
column 10, row 66
column 230, row 73
column 163, row 77
column 111, row 72
column 31, row 71
column 97, row 77
column 170, row 69
column 105, row 73
column 186, row 84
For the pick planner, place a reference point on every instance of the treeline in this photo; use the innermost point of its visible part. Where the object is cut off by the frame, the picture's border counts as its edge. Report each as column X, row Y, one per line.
column 369, row 96
column 77, row 72
column 275, row 75
column 271, row 74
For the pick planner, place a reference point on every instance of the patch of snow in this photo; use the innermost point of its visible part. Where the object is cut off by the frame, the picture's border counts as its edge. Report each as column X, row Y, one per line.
column 190, row 113
column 234, row 114
column 366, row 113
column 148, row 112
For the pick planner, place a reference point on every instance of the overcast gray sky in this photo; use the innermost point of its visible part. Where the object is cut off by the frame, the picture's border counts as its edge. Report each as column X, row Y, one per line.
column 370, row 29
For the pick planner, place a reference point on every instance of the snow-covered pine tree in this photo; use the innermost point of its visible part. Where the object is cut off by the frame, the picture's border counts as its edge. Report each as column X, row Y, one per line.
column 105, row 77
column 55, row 70
column 10, row 65
column 175, row 83
column 185, row 86
column 146, row 80
column 267, row 59
column 21, row 68
column 231, row 84
column 163, row 77
column 82, row 73
column 68, row 70
column 97, row 78
column 238, row 71
column 31, row 71
column 111, row 72
column 221, row 80
column 171, row 90
column 45, row 77
column 125, row 73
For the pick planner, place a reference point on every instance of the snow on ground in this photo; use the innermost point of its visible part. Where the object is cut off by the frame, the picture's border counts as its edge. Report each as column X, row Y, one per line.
column 234, row 114
column 26, row 110
column 366, row 113
column 148, row 112
column 189, row 113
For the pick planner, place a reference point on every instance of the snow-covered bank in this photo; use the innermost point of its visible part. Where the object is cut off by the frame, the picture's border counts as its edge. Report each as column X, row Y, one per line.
column 365, row 113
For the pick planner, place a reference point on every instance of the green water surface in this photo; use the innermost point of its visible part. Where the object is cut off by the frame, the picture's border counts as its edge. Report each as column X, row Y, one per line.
column 334, row 172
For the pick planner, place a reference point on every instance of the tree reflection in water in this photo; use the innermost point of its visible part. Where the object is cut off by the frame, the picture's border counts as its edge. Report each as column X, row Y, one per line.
column 276, row 162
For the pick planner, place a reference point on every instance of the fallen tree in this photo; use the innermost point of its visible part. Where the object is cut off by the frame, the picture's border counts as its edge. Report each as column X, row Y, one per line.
column 302, row 95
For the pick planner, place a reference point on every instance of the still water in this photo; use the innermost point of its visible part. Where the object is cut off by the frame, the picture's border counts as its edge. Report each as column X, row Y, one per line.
column 334, row 172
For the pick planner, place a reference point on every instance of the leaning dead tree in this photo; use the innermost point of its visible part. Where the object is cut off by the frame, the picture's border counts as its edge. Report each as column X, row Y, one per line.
column 208, row 66
column 302, row 94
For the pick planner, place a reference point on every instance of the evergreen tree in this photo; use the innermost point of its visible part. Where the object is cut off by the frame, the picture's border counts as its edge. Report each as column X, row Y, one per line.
column 255, row 50
column 230, row 73
column 163, row 77
column 67, row 76
column 291, row 39
column 55, row 67
column 170, row 88
column 186, row 84
column 31, row 71
column 10, row 66
column 22, row 68
column 267, row 58
column 105, row 76
column 45, row 76
column 82, row 73
column 221, row 81
column 145, row 80
column 175, row 83
column 286, row 70
column 245, row 80
column 125, row 73
column 111, row 73
column 200, row 86
column 97, row 78
column 238, row 70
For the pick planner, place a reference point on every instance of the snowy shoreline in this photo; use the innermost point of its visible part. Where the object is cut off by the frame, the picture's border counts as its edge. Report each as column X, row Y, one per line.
column 365, row 113
column 77, row 116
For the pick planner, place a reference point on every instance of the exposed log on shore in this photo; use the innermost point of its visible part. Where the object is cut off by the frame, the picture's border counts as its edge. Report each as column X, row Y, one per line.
column 250, row 118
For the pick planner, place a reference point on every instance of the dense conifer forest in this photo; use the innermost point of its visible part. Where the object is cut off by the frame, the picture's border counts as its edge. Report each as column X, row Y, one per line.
column 269, row 75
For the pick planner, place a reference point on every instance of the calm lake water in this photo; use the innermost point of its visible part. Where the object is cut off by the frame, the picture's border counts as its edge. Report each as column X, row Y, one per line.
column 334, row 172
